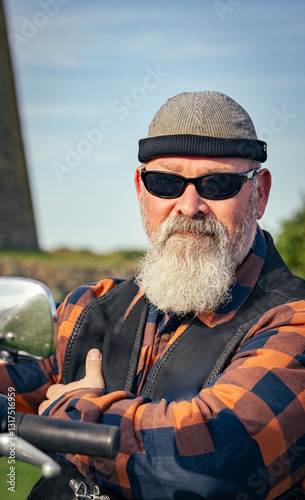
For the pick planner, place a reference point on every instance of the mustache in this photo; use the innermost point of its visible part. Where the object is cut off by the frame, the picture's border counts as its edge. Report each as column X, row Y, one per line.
column 203, row 226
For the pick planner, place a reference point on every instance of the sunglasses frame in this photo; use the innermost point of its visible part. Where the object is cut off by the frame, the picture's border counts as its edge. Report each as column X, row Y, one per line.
column 243, row 178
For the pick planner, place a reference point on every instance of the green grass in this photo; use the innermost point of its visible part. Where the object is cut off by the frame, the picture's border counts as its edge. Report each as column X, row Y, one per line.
column 26, row 476
column 63, row 270
column 67, row 257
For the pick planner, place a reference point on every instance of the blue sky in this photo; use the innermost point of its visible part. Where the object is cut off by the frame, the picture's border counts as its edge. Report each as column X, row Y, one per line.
column 91, row 75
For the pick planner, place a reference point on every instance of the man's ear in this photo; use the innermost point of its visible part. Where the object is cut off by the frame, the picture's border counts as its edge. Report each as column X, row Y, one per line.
column 263, row 190
column 138, row 184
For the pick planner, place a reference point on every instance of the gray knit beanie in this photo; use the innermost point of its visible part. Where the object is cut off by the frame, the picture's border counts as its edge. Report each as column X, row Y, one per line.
column 205, row 124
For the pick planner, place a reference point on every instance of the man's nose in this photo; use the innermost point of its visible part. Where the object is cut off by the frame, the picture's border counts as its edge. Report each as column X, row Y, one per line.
column 190, row 203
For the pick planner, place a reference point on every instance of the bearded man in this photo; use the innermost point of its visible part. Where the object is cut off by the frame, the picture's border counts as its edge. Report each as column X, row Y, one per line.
column 203, row 351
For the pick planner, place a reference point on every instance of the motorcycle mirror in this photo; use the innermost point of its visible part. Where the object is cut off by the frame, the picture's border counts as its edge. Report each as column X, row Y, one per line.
column 27, row 316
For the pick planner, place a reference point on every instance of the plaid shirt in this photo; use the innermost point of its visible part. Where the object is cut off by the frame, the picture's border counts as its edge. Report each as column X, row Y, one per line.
column 242, row 437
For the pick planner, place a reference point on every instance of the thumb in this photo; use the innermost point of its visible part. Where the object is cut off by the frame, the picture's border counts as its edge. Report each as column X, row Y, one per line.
column 94, row 366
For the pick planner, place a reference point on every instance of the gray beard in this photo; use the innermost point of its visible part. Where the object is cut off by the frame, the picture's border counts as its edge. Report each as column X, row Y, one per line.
column 193, row 272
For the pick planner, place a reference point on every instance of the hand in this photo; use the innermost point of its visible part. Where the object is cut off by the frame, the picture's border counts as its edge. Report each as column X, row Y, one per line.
column 93, row 379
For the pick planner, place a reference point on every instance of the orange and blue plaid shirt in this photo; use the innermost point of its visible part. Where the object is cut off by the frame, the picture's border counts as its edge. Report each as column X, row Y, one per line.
column 241, row 438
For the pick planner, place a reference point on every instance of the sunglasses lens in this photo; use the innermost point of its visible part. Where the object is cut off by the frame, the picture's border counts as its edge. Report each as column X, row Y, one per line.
column 218, row 186
column 211, row 187
column 164, row 185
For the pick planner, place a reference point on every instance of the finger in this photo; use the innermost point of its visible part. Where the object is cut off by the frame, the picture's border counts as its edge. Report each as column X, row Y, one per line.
column 42, row 407
column 55, row 391
column 94, row 367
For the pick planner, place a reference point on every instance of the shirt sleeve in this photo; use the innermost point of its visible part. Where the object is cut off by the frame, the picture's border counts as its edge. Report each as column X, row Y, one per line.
column 30, row 381
column 241, row 438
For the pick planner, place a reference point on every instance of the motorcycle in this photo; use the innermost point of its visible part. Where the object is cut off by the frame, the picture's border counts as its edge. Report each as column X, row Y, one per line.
column 28, row 332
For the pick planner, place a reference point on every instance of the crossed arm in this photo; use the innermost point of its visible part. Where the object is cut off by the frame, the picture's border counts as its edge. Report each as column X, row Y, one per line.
column 241, row 438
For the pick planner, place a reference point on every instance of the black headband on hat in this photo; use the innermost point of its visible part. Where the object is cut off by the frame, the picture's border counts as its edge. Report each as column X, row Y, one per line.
column 202, row 124
column 202, row 146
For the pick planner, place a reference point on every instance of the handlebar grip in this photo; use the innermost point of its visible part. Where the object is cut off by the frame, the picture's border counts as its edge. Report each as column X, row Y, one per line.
column 68, row 436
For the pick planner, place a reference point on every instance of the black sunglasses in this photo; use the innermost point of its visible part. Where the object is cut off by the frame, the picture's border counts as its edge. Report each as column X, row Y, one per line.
column 218, row 186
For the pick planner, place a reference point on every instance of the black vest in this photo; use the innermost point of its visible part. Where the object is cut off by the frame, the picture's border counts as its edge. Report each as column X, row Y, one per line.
column 178, row 376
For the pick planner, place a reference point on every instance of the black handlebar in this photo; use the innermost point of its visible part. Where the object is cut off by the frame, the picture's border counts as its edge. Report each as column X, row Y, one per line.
column 65, row 436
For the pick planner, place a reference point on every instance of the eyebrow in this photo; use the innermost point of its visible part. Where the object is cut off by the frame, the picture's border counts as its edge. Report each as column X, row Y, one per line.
column 168, row 166
column 173, row 167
